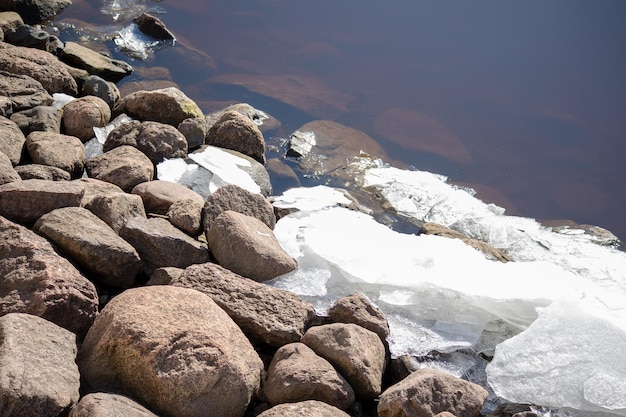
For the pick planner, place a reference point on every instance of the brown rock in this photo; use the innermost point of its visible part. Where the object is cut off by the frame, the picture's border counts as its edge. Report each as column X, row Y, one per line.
column 358, row 309
column 39, row 65
column 235, row 198
column 427, row 392
column 124, row 166
column 92, row 244
column 167, row 105
column 296, row 373
column 187, row 216
column 95, row 63
column 13, row 140
column 237, row 132
column 159, row 195
column 80, row 116
column 115, row 209
column 354, row 351
column 25, row 201
column 57, row 150
column 310, row 408
column 38, row 375
column 246, row 246
column 266, row 314
column 153, row 26
column 39, row 119
column 37, row 11
column 7, row 173
column 10, row 20
column 283, row 173
column 194, row 129
column 161, row 244
column 42, row 172
column 21, row 92
column 265, row 122
column 37, row 281
column 173, row 348
column 101, row 404
column 164, row 275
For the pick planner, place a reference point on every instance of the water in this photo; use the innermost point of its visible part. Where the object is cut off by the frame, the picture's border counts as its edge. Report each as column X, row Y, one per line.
column 524, row 101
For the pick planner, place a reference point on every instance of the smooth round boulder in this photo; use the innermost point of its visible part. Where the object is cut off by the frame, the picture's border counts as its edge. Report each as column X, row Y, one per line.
column 80, row 116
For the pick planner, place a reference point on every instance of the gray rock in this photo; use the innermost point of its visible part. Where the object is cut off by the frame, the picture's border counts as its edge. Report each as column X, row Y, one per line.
column 102, row 404
column 354, row 351
column 358, row 309
column 42, row 172
column 115, row 209
column 21, row 92
column 92, row 244
column 246, row 246
column 57, row 150
column 309, row 408
column 28, row 36
column 37, row 281
column 38, row 375
column 154, row 27
column 235, row 198
column 266, row 314
column 296, row 373
column 124, row 166
column 159, row 195
column 237, row 132
column 39, row 65
column 94, row 63
column 172, row 348
column 13, row 140
column 187, row 216
column 159, row 244
column 7, row 173
column 80, row 116
column 37, row 11
column 40, row 118
column 194, row 129
column 427, row 392
column 167, row 105
column 99, row 87
column 26, row 201
column 158, row 141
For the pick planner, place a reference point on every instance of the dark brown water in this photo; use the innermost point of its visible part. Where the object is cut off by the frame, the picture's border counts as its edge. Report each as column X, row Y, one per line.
column 525, row 101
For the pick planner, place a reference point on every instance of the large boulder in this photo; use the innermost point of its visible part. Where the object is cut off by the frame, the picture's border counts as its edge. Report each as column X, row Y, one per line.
column 311, row 408
column 13, row 140
column 237, row 132
column 246, row 245
column 39, row 119
column 296, row 373
column 428, row 392
column 38, row 373
column 115, row 209
column 7, row 173
column 266, row 314
column 355, row 351
column 359, row 309
column 102, row 404
column 124, row 166
column 159, row 195
column 57, row 150
column 235, row 198
column 95, row 63
column 172, row 348
column 80, row 116
column 167, row 105
column 92, row 244
column 21, row 92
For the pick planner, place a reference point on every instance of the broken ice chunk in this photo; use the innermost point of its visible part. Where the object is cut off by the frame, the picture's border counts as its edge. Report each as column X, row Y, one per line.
column 313, row 198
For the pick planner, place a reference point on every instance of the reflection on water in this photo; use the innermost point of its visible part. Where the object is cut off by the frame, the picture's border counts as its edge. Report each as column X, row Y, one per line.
column 525, row 101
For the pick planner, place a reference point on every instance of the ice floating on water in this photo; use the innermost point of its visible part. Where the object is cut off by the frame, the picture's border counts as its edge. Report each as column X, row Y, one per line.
column 136, row 44
column 313, row 198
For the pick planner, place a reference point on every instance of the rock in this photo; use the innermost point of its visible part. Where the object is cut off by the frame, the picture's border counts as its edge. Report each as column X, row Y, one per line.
column 358, row 309
column 38, row 375
column 97, row 86
column 489, row 251
column 26, row 201
column 80, row 116
column 235, row 198
column 156, row 140
column 265, row 122
column 153, row 26
column 115, row 209
column 9, row 20
column 101, row 404
column 194, row 129
column 124, row 166
column 237, row 132
column 96, row 188
column 172, row 348
column 28, row 36
column 427, row 392
column 282, row 174
column 37, row 11
column 159, row 195
column 166, row 105
column 7, row 173
column 266, row 314
column 39, row 65
column 37, row 281
column 21, row 92
column 42, row 172
column 57, row 150
column 165, row 275
column 13, row 140
column 296, row 374
column 92, row 244
column 310, row 408
column 159, row 244
column 187, row 216
column 246, row 246
column 93, row 62
column 39, row 119
column 357, row 353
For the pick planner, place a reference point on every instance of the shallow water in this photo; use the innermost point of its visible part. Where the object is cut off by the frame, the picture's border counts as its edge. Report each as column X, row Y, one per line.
column 524, row 101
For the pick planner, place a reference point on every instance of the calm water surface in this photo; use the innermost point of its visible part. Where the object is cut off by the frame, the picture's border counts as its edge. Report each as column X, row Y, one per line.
column 525, row 101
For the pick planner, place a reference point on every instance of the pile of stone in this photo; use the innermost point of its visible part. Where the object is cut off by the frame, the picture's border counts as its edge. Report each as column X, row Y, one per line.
column 121, row 294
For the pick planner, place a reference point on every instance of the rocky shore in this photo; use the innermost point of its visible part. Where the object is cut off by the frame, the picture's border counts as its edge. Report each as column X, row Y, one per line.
column 122, row 294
